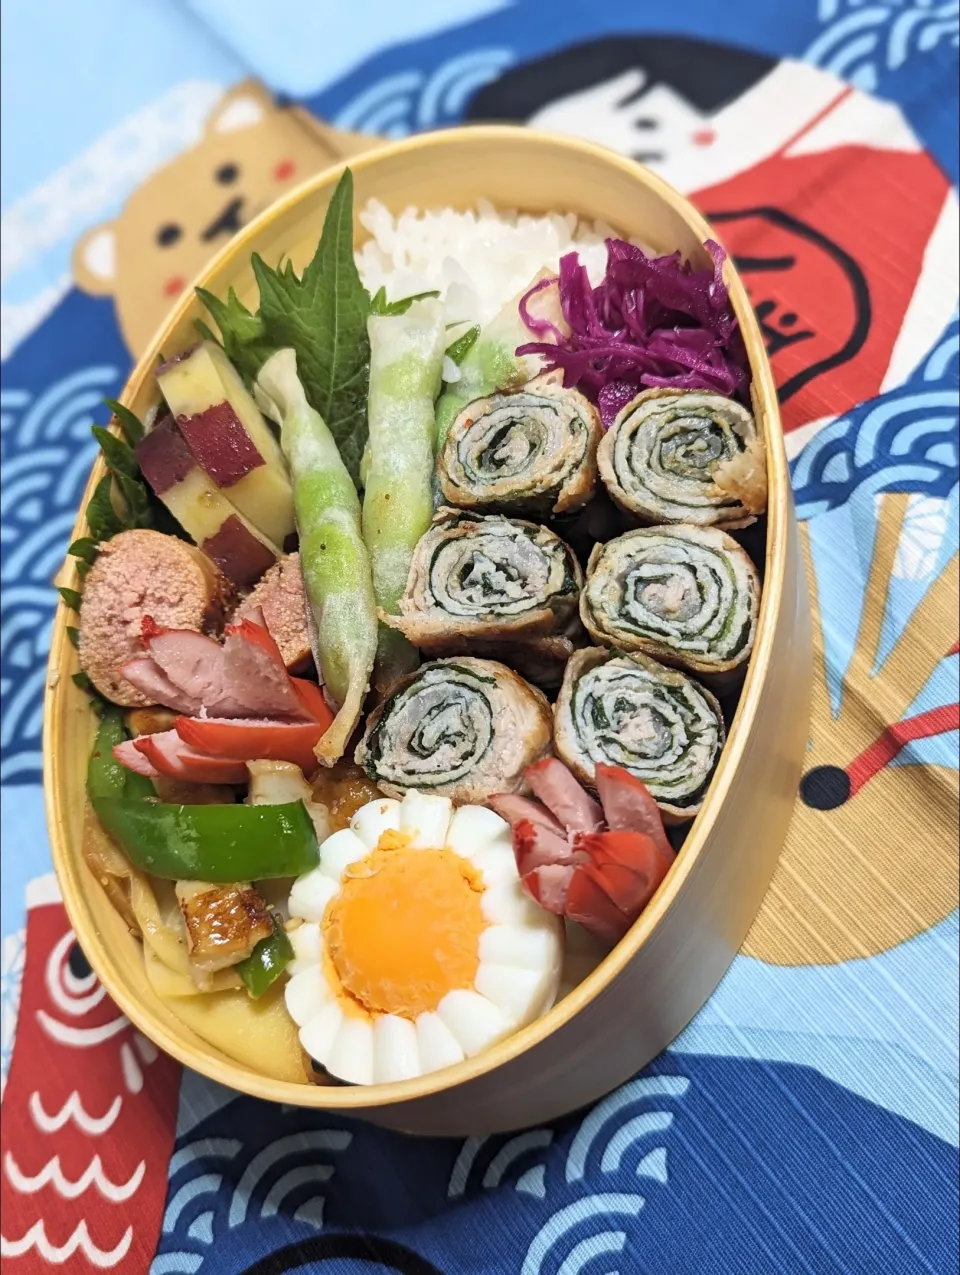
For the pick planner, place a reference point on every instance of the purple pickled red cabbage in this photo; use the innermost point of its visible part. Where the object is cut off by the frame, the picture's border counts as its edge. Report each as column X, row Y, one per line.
column 653, row 321
column 538, row 326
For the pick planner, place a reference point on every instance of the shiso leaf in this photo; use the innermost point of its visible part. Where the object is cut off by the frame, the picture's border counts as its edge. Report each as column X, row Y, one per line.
column 73, row 634
column 128, row 421
column 244, row 338
column 137, row 501
column 102, row 517
column 71, row 597
column 97, row 702
column 322, row 316
column 135, row 510
column 118, row 454
column 458, row 350
column 380, row 306
column 206, row 331
column 84, row 548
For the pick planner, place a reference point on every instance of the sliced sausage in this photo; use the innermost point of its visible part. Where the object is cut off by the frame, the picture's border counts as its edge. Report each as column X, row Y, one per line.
column 143, row 573
column 281, row 597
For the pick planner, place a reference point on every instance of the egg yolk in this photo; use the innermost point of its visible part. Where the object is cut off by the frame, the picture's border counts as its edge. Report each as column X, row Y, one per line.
column 405, row 928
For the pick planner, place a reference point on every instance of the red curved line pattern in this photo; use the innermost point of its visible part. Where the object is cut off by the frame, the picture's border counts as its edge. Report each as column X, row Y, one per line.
column 936, row 721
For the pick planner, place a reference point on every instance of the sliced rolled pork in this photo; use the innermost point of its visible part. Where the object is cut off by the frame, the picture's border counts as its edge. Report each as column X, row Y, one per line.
column 540, row 660
column 462, row 728
column 490, row 578
column 688, row 596
column 685, row 456
column 533, row 450
column 657, row 723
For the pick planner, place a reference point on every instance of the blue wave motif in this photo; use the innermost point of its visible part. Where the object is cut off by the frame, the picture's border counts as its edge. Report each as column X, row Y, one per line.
column 862, row 41
column 220, row 1184
column 772, row 1167
column 12, row 956
column 905, row 440
column 599, row 1149
column 603, row 1207
column 509, row 1151
column 591, row 1132
column 47, row 451
column 410, row 100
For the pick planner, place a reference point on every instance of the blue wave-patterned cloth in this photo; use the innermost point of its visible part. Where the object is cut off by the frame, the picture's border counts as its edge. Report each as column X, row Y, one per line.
column 806, row 1121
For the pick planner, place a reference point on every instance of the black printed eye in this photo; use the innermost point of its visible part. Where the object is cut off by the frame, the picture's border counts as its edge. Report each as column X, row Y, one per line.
column 168, row 234
column 227, row 173
column 78, row 963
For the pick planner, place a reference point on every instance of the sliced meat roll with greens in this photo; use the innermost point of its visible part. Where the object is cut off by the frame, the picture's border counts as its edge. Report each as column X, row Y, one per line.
column 656, row 722
column 533, row 450
column 686, row 456
column 462, row 728
column 685, row 595
column 541, row 660
column 487, row 578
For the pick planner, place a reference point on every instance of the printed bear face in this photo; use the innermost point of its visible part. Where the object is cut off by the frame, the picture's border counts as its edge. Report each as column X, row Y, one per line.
column 250, row 154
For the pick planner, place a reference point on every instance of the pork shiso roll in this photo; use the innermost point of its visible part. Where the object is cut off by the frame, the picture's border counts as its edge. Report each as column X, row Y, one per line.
column 656, row 722
column 488, row 578
column 685, row 456
column 540, row 660
column 530, row 451
column 686, row 595
column 463, row 728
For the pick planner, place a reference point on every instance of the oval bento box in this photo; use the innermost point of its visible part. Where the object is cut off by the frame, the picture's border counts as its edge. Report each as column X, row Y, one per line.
column 650, row 986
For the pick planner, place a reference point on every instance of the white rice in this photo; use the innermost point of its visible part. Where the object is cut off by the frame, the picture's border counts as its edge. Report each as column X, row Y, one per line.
column 476, row 260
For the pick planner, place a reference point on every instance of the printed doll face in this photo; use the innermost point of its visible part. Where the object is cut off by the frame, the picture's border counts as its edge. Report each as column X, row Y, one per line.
column 648, row 121
column 653, row 98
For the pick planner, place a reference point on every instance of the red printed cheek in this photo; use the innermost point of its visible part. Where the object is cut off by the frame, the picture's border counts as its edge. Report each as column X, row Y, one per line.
column 174, row 285
column 704, row 137
column 284, row 170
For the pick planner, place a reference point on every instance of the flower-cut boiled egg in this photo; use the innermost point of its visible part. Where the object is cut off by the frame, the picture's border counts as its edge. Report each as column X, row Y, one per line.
column 418, row 946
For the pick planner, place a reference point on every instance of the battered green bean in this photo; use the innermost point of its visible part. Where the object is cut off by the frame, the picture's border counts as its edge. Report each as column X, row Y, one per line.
column 406, row 360
column 333, row 556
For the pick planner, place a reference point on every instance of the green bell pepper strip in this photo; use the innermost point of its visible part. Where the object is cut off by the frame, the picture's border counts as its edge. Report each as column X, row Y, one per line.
column 105, row 776
column 220, row 844
column 266, row 962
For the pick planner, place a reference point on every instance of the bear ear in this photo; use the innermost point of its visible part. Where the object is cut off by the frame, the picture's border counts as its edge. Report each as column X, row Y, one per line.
column 244, row 106
column 95, row 260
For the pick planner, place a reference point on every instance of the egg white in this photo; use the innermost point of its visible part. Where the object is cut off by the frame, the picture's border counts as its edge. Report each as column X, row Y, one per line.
column 521, row 950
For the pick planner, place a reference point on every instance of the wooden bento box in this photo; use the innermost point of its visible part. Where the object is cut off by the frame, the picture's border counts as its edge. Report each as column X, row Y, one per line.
column 657, row 978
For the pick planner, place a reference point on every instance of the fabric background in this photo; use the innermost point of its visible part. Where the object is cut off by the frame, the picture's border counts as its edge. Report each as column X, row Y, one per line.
column 806, row 1121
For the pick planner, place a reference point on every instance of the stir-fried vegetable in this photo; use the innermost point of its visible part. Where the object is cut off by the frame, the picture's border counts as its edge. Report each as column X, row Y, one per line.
column 406, row 358
column 333, row 556
column 106, row 777
column 266, row 962
column 220, row 844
